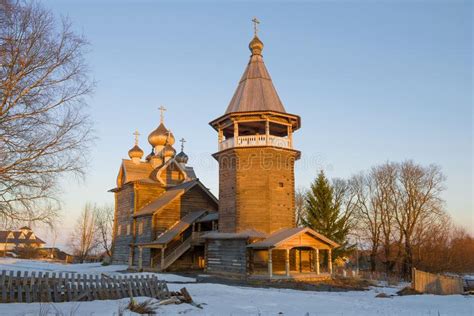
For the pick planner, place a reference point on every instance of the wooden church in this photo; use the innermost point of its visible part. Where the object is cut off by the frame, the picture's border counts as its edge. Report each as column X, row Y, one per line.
column 166, row 219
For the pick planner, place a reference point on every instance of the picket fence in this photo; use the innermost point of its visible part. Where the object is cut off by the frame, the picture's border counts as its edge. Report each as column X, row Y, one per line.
column 430, row 283
column 33, row 286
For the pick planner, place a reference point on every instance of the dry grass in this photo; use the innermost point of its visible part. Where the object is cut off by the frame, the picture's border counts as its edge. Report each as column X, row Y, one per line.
column 147, row 307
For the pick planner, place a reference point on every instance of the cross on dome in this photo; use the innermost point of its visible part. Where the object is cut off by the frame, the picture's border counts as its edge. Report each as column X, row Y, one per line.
column 255, row 25
column 182, row 141
column 136, row 136
column 162, row 113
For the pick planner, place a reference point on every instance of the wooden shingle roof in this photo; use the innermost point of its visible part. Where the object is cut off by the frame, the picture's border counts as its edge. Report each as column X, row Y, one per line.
column 278, row 237
column 255, row 91
column 136, row 171
column 170, row 195
column 14, row 238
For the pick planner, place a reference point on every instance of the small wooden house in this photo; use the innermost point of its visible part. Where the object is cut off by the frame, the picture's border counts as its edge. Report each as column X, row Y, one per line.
column 19, row 239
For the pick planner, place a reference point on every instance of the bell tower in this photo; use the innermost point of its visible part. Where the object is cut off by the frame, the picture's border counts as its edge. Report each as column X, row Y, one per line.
column 255, row 154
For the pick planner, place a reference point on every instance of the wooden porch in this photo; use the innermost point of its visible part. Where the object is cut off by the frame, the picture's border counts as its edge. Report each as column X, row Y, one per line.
column 295, row 276
column 297, row 253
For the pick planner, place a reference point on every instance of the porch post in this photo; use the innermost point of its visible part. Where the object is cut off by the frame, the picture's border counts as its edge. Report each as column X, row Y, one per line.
column 330, row 261
column 267, row 131
column 290, row 135
column 162, row 263
column 287, row 262
column 317, row 261
column 140, row 258
column 236, row 133
column 130, row 257
column 221, row 135
column 270, row 267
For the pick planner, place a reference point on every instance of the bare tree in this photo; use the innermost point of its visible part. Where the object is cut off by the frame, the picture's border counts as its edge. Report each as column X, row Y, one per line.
column 367, row 215
column 398, row 206
column 44, row 132
column 104, row 217
column 386, row 201
column 300, row 196
column 85, row 237
column 420, row 204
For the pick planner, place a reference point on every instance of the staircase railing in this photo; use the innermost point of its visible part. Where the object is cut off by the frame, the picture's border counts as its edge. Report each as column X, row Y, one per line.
column 177, row 252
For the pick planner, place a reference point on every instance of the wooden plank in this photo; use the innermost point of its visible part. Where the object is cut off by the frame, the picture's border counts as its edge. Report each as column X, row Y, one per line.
column 27, row 294
column 3, row 286
column 34, row 295
column 20, row 293
column 11, row 277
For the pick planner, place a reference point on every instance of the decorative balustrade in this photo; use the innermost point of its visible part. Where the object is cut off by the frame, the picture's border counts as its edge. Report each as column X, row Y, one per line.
column 255, row 140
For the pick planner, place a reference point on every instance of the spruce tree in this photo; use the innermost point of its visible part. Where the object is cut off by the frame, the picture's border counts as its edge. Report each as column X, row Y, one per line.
column 323, row 214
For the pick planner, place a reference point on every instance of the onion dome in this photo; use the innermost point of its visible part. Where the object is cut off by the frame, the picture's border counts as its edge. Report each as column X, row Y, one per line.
column 151, row 154
column 168, row 151
column 182, row 158
column 170, row 139
column 159, row 136
column 135, row 152
column 256, row 46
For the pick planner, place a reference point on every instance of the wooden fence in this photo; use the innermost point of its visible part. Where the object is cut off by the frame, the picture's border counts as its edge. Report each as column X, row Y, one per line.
column 430, row 283
column 25, row 287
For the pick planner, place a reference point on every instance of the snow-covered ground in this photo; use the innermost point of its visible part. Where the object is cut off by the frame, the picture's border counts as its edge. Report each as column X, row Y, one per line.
column 218, row 299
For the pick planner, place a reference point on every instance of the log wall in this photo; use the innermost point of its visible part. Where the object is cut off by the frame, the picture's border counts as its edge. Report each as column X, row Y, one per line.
column 226, row 256
column 256, row 189
column 123, row 217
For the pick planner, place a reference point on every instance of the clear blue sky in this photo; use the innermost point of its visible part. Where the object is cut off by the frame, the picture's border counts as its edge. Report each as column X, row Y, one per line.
column 372, row 80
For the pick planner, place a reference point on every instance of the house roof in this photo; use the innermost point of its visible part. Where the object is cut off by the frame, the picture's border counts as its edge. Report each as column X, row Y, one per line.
column 169, row 196
column 255, row 91
column 136, row 171
column 212, row 216
column 278, row 237
column 249, row 233
column 142, row 172
column 4, row 234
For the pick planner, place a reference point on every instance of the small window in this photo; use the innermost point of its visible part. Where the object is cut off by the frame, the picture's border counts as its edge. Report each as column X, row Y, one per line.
column 281, row 184
column 128, row 229
column 119, row 230
column 140, row 228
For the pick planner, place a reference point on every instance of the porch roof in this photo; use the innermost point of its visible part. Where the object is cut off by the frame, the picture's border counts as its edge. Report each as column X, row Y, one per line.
column 249, row 233
column 282, row 235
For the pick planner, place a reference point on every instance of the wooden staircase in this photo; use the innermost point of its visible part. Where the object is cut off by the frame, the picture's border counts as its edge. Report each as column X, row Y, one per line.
column 177, row 252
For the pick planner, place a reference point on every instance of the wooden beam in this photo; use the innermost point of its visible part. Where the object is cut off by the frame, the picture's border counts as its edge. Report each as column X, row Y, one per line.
column 270, row 264
column 236, row 132
column 140, row 258
column 287, row 262
column 267, row 131
column 330, row 261
column 162, row 263
column 316, row 263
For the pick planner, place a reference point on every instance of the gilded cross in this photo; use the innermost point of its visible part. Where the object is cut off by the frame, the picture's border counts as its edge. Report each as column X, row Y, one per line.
column 182, row 141
column 255, row 25
column 162, row 113
column 136, row 136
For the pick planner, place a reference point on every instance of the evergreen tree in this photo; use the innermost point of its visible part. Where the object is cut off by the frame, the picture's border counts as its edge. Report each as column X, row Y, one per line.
column 323, row 214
